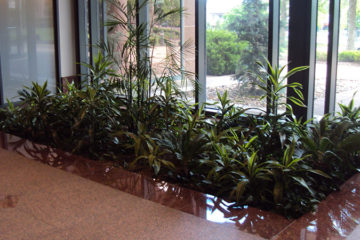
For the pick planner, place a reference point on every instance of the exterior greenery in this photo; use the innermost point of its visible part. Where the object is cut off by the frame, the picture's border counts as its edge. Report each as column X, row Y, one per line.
column 349, row 56
column 345, row 56
column 234, row 46
column 223, row 51
column 250, row 23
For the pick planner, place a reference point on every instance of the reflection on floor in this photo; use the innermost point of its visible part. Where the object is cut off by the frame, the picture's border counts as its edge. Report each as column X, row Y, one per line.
column 57, row 204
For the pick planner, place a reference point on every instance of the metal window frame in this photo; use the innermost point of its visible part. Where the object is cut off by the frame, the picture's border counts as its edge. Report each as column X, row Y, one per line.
column 94, row 27
column 312, row 61
column 56, row 15
column 302, row 52
column 143, row 18
column 332, row 58
column 182, row 38
column 82, row 39
column 274, row 31
column 200, row 51
column 273, row 39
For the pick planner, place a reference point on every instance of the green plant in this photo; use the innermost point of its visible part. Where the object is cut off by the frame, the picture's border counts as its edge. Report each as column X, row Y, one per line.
column 186, row 142
column 349, row 56
column 274, row 84
column 133, row 114
column 227, row 113
column 349, row 111
column 333, row 144
column 223, row 51
column 293, row 174
column 321, row 56
column 249, row 22
column 139, row 80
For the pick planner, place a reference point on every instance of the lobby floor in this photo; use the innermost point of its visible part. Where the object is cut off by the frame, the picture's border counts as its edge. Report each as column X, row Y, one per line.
column 41, row 202
column 46, row 193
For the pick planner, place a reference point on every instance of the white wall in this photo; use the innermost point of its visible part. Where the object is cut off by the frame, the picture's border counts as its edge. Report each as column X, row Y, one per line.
column 67, row 38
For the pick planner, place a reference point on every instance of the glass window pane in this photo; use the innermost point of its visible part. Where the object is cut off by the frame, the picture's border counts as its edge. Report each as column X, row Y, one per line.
column 348, row 71
column 236, row 37
column 284, row 43
column 168, row 35
column 321, row 57
column 27, row 44
column 189, row 61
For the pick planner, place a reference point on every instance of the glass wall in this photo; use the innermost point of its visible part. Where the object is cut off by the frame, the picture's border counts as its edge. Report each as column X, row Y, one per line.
column 27, row 46
column 236, row 37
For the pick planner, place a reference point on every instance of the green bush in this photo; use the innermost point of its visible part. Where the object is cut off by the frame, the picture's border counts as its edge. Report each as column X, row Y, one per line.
column 349, row 56
column 345, row 56
column 223, row 52
column 321, row 56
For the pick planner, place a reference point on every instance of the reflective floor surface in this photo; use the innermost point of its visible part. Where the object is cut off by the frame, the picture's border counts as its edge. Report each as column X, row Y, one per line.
column 336, row 217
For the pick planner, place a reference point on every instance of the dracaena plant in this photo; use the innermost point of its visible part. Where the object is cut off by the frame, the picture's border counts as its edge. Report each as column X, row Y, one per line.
column 273, row 82
column 333, row 144
column 350, row 111
column 228, row 114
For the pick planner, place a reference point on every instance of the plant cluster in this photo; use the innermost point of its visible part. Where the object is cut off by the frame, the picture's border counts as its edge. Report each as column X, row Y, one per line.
column 140, row 119
column 272, row 161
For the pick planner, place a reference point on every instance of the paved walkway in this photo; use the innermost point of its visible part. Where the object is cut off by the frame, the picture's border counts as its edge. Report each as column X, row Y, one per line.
column 41, row 202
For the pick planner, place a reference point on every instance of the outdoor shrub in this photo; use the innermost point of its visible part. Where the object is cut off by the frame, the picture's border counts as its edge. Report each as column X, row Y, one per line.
column 349, row 56
column 223, row 51
column 321, row 56
column 345, row 56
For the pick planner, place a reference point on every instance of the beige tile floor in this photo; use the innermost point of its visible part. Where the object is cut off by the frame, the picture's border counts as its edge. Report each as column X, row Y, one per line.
column 40, row 202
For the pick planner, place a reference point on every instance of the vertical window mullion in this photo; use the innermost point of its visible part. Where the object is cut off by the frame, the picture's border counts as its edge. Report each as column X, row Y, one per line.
column 312, row 61
column 82, row 32
column 143, row 18
column 103, row 19
column 182, row 37
column 274, row 28
column 57, row 44
column 200, row 42
column 273, row 43
column 94, row 20
column 302, row 51
column 334, row 23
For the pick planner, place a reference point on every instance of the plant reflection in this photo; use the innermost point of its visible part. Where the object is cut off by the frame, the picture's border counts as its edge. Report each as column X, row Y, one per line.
column 335, row 217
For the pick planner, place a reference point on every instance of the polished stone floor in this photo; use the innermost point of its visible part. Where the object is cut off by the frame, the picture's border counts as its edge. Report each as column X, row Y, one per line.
column 39, row 201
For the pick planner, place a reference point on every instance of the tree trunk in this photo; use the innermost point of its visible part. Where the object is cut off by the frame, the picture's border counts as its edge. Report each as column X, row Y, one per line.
column 351, row 24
